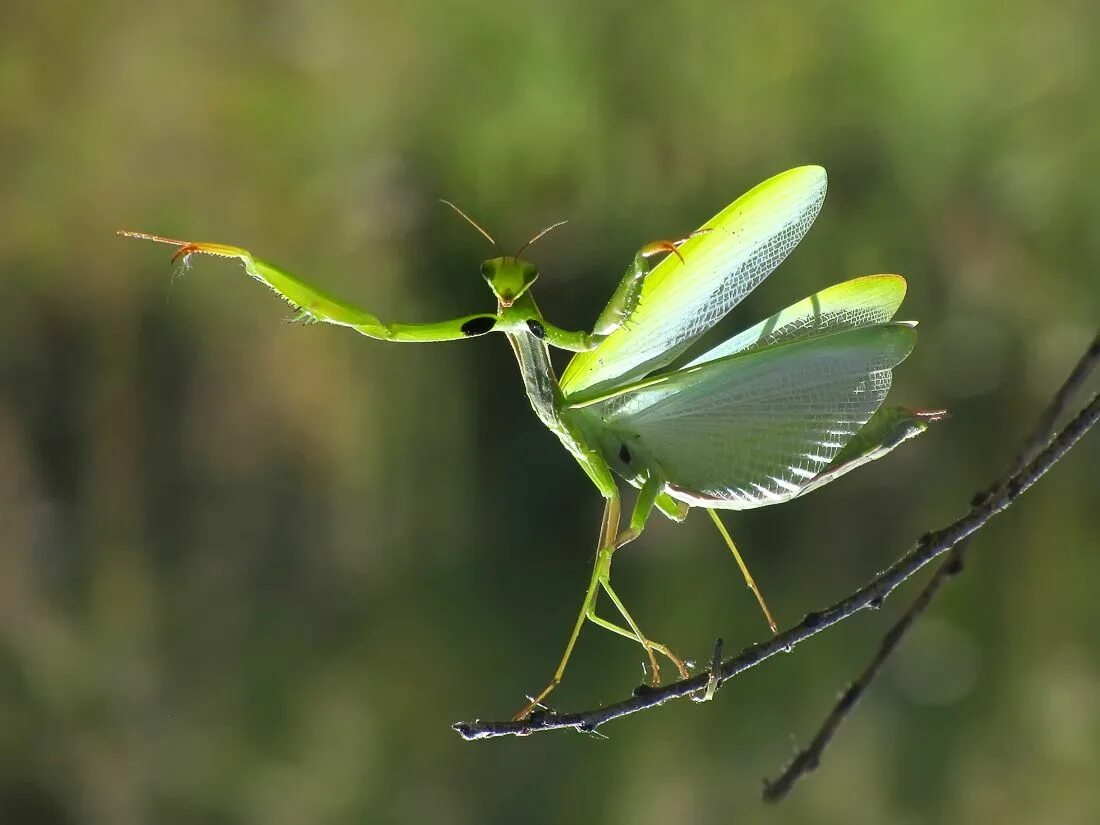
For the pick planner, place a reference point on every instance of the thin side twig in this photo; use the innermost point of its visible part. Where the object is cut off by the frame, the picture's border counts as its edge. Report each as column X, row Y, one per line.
column 715, row 674
column 807, row 760
column 929, row 547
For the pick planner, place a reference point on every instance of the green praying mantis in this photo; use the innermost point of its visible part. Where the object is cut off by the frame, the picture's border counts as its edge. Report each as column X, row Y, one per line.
column 774, row 412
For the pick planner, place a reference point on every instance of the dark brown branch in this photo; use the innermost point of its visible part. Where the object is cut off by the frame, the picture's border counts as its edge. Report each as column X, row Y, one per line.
column 1044, row 429
column 807, row 759
column 929, row 547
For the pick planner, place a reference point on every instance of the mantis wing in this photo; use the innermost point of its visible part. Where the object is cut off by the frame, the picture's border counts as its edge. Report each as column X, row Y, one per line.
column 756, row 428
column 682, row 299
column 860, row 302
column 888, row 427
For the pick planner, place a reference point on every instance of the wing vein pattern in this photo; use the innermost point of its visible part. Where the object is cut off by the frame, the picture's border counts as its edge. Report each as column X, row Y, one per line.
column 683, row 299
column 859, row 302
column 756, row 428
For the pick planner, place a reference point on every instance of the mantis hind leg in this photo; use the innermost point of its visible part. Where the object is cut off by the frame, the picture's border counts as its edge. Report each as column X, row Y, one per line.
column 610, row 540
column 608, row 528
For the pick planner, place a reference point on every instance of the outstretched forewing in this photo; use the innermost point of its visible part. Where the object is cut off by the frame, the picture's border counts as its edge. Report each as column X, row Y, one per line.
column 757, row 428
column 682, row 299
column 860, row 302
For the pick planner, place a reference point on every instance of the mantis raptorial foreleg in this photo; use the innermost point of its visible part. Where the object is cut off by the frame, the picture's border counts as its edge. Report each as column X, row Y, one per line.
column 643, row 507
column 624, row 300
column 314, row 304
column 311, row 303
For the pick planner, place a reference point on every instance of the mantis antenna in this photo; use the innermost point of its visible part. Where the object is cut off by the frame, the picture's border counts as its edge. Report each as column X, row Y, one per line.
column 550, row 228
column 472, row 223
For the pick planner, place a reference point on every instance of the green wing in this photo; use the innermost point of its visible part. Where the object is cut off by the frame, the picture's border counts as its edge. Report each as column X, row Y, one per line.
column 755, row 428
column 860, row 302
column 681, row 300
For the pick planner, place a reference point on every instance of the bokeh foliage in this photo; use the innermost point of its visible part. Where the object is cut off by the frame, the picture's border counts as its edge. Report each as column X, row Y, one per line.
column 249, row 572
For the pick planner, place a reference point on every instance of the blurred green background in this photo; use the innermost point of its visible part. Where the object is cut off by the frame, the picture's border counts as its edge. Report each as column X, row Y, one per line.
column 250, row 571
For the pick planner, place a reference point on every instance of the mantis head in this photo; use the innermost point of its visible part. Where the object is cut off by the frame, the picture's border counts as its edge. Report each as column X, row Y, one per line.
column 509, row 277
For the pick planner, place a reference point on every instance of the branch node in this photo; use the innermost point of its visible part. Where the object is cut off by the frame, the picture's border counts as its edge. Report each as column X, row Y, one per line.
column 981, row 498
column 714, row 680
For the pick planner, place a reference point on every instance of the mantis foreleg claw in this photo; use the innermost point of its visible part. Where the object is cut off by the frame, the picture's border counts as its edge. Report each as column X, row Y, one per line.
column 657, row 247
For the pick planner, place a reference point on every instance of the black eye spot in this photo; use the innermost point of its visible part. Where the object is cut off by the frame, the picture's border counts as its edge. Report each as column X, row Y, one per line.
column 537, row 329
column 479, row 326
column 486, row 269
column 624, row 454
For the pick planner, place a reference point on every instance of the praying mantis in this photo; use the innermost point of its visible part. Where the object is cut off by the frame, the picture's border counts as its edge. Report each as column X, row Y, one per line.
column 774, row 412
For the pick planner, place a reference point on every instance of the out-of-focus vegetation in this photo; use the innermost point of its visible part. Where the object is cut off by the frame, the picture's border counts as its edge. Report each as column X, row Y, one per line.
column 250, row 572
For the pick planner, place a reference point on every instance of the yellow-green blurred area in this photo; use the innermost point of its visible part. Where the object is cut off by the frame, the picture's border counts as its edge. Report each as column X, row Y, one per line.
column 251, row 571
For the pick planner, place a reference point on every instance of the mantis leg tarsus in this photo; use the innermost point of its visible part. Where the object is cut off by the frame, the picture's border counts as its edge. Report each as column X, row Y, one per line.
column 648, row 644
column 185, row 248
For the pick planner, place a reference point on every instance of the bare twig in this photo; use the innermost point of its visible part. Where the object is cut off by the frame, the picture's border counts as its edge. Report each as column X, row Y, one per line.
column 1044, row 429
column 929, row 547
column 807, row 759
